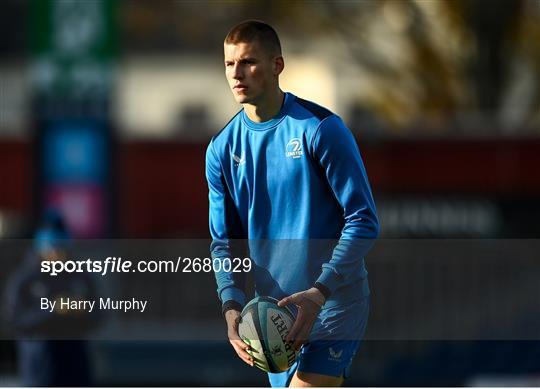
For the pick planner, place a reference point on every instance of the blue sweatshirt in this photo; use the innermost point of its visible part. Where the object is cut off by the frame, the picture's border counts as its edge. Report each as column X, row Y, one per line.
column 295, row 186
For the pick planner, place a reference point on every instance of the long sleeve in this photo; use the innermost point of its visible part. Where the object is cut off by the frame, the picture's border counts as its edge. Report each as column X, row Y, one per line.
column 225, row 226
column 335, row 149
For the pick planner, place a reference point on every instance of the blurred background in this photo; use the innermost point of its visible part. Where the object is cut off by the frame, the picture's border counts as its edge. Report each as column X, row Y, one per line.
column 106, row 108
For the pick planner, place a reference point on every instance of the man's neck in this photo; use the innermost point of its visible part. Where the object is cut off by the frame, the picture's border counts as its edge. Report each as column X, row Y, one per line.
column 267, row 110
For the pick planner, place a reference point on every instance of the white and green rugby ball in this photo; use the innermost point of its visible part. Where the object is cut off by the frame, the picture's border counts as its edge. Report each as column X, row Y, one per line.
column 264, row 326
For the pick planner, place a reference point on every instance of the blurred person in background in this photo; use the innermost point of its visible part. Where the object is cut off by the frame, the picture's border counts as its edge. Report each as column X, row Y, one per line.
column 43, row 361
column 287, row 168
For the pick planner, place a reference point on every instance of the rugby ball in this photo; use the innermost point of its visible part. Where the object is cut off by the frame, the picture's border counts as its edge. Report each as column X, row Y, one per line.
column 264, row 326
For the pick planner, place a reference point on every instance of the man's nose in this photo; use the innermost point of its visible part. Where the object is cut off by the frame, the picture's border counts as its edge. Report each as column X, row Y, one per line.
column 237, row 72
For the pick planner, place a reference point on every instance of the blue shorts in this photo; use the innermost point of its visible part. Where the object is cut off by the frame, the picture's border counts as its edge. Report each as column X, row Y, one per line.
column 333, row 343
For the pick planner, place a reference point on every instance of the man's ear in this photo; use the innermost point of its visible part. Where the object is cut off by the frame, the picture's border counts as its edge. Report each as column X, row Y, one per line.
column 279, row 64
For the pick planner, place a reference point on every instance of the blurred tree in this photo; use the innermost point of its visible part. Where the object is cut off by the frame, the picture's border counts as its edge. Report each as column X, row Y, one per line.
column 435, row 64
column 493, row 24
column 424, row 65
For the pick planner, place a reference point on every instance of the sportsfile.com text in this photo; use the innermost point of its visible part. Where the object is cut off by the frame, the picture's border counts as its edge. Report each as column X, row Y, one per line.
column 118, row 265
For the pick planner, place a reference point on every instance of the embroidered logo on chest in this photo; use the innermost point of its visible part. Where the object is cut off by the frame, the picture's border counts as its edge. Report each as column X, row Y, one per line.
column 294, row 148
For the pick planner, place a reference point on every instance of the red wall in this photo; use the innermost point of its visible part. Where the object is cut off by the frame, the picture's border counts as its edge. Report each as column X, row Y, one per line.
column 161, row 189
column 501, row 167
column 16, row 180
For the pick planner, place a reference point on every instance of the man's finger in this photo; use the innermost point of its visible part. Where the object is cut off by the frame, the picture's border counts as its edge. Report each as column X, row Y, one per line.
column 295, row 328
column 241, row 351
column 298, row 343
column 241, row 344
column 302, row 336
column 285, row 301
column 292, row 299
column 233, row 335
column 246, row 360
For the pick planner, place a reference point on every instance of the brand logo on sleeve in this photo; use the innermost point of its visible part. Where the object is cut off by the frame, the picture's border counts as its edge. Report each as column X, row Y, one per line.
column 239, row 160
column 294, row 148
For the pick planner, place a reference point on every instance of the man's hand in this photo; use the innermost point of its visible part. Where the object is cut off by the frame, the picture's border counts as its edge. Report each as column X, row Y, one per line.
column 233, row 317
column 309, row 303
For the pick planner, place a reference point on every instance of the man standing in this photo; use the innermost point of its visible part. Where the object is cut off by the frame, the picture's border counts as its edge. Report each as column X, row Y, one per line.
column 286, row 174
column 50, row 349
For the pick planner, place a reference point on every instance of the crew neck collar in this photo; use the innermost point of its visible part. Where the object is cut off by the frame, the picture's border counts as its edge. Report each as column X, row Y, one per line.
column 261, row 126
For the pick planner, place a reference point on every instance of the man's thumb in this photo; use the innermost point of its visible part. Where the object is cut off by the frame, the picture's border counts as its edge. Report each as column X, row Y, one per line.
column 285, row 301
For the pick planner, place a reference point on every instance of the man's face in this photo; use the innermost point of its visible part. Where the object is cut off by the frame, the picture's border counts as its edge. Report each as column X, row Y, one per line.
column 250, row 71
